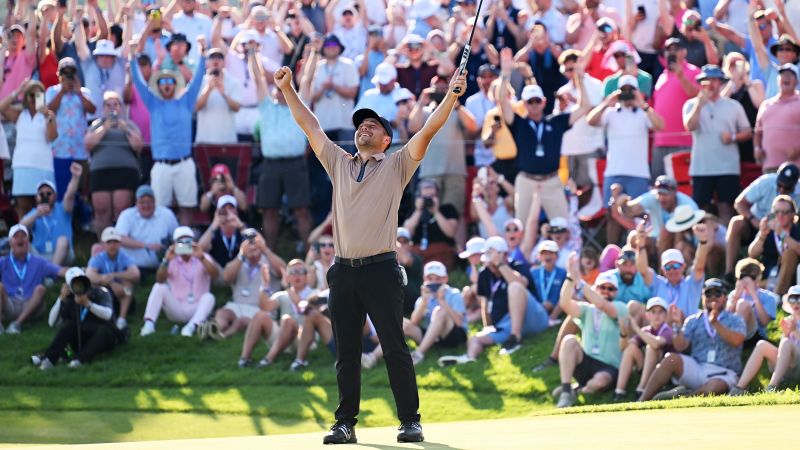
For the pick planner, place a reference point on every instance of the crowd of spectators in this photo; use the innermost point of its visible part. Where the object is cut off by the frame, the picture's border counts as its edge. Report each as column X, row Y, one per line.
column 624, row 170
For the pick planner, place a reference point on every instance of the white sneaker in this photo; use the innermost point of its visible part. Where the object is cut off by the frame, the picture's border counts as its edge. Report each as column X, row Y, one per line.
column 74, row 364
column 368, row 361
column 13, row 328
column 148, row 328
column 188, row 330
column 46, row 364
column 566, row 399
column 36, row 359
column 553, row 322
column 451, row 360
column 417, row 357
column 297, row 365
column 122, row 323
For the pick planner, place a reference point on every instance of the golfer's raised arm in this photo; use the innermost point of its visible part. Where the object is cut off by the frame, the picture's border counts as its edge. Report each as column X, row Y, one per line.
column 302, row 115
column 418, row 144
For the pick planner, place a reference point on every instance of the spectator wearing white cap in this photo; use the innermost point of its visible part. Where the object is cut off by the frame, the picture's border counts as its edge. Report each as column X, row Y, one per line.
column 594, row 359
column 183, row 285
column 559, row 230
column 223, row 237
column 218, row 102
column 656, row 339
column 783, row 360
column 103, row 69
column 625, row 58
column 479, row 105
column 404, row 100
column 273, row 42
column 19, row 55
column 84, row 315
column 472, row 254
column 350, row 26
column 412, row 263
column 491, row 208
column 51, row 220
column 145, row 229
column 116, row 271
column 627, row 120
column 439, row 316
column 373, row 56
column 756, row 306
column 189, row 22
column 714, row 338
column 514, row 312
column 417, row 73
column 548, row 279
column 380, row 98
column 22, row 275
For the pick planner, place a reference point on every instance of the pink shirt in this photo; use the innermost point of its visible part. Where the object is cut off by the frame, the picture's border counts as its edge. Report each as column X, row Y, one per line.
column 588, row 26
column 668, row 100
column 779, row 122
column 17, row 68
column 139, row 114
column 188, row 277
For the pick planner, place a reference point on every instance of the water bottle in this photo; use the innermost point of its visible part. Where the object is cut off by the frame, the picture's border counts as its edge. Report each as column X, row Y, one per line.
column 772, row 279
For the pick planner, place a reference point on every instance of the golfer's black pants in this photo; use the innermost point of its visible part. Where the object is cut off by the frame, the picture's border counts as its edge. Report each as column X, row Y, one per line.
column 94, row 339
column 376, row 290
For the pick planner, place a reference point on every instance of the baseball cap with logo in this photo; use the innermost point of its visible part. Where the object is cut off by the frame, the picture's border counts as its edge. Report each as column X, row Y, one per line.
column 531, row 91
column 607, row 277
column 434, row 268
column 656, row 301
column 474, row 247
column 227, row 200
column 110, row 234
column 788, row 174
column 672, row 255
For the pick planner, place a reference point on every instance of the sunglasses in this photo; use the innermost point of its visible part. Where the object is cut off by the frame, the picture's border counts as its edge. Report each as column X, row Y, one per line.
column 793, row 299
column 569, row 69
column 620, row 55
column 512, row 229
column 783, row 212
column 326, row 244
column 673, row 266
column 402, row 102
column 603, row 287
column 786, row 49
column 713, row 293
column 763, row 26
column 414, row 47
column 534, row 101
column 165, row 81
column 297, row 272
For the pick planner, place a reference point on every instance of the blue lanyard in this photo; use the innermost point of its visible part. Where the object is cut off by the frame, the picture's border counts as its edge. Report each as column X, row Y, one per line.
column 544, row 289
column 20, row 273
column 84, row 310
column 229, row 244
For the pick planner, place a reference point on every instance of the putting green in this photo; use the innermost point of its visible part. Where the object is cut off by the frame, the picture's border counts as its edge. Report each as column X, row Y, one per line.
column 745, row 427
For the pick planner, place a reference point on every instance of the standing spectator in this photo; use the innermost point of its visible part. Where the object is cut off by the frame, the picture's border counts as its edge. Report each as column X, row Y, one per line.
column 417, row 74
column 72, row 105
column 115, row 144
column 171, row 110
column 116, row 271
column 674, row 87
column 777, row 130
column 538, row 169
column 51, row 221
column 335, row 87
column 299, row 32
column 481, row 53
column 23, row 274
column 191, row 24
column 778, row 244
column 350, row 27
column 367, row 62
column 701, row 50
column 183, row 284
column 542, row 56
column 749, row 94
column 502, row 26
column 580, row 25
column 639, row 28
column 380, row 98
column 433, row 224
column 605, row 33
column 479, row 104
column 284, row 170
column 756, row 306
column 273, row 42
column 717, row 124
column 551, row 19
column 217, row 103
column 221, row 184
column 19, row 56
column 496, row 134
column 103, row 69
column 137, row 111
column 35, row 128
column 176, row 59
column 145, row 229
column 715, row 337
column 315, row 14
column 625, row 59
column 785, row 50
column 743, row 40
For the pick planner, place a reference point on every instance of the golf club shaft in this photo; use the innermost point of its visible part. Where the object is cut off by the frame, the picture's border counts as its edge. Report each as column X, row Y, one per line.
column 468, row 47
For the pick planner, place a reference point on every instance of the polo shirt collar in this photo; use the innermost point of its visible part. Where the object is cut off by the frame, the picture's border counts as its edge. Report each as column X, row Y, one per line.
column 378, row 157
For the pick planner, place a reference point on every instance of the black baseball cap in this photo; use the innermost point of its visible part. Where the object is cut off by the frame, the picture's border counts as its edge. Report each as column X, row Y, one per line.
column 674, row 41
column 665, row 184
column 788, row 174
column 366, row 113
column 714, row 283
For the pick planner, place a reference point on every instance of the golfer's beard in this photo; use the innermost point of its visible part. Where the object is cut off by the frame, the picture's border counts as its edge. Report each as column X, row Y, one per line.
column 626, row 278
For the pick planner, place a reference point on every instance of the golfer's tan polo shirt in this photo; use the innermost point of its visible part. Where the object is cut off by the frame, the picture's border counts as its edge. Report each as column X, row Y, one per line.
column 365, row 211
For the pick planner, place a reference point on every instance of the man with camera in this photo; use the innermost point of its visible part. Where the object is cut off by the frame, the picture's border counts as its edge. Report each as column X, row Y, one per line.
column 22, row 276
column 116, row 271
column 51, row 221
column 221, row 184
column 183, row 285
column 223, row 237
column 217, row 103
column 433, row 225
column 85, row 318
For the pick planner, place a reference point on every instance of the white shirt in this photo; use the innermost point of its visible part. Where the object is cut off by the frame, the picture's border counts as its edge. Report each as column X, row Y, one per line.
column 643, row 34
column 582, row 138
column 192, row 26
column 216, row 122
column 271, row 50
column 627, row 131
column 237, row 69
column 333, row 110
column 354, row 39
column 32, row 149
column 479, row 104
column 376, row 11
column 555, row 22
column 154, row 229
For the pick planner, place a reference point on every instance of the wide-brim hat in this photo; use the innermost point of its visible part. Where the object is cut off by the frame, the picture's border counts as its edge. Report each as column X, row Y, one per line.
column 179, row 37
column 180, row 83
column 784, row 39
column 710, row 71
column 684, row 218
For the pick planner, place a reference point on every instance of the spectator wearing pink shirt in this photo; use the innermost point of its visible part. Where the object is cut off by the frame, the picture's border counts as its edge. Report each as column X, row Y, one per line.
column 20, row 56
column 183, row 285
column 778, row 123
column 137, row 111
column 582, row 25
column 674, row 87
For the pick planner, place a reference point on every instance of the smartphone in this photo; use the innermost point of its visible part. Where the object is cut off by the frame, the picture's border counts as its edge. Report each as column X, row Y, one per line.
column 641, row 11
column 39, row 101
column 671, row 60
column 155, row 16
column 483, row 175
column 497, row 119
column 183, row 248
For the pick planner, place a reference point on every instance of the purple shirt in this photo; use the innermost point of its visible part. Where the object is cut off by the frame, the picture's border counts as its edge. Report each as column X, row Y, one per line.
column 665, row 331
column 20, row 278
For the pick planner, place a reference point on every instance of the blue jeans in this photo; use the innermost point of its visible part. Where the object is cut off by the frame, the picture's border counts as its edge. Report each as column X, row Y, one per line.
column 536, row 319
column 633, row 186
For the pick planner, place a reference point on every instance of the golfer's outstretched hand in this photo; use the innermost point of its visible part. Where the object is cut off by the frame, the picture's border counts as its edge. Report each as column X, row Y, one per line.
column 458, row 84
column 283, row 78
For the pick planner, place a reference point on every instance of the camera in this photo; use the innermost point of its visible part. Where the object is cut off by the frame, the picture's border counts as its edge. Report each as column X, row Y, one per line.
column 671, row 60
column 497, row 119
column 625, row 95
column 219, row 179
column 250, row 234
column 183, row 247
column 437, row 97
column 640, row 10
column 214, row 73
column 433, row 287
column 427, row 202
column 80, row 286
column 44, row 197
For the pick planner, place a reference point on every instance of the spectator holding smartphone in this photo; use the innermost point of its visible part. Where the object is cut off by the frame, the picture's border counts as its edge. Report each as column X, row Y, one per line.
column 217, row 103
column 221, row 183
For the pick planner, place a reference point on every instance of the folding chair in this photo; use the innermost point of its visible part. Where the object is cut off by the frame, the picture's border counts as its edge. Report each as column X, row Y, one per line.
column 676, row 166
column 593, row 215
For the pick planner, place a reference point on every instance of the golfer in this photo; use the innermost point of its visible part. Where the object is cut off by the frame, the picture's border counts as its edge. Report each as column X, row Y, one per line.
column 366, row 278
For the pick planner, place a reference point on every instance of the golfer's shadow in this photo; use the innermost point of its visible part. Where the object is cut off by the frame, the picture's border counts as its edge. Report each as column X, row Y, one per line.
column 411, row 445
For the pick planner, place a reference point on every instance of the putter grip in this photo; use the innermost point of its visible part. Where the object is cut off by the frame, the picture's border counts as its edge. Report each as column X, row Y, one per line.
column 463, row 64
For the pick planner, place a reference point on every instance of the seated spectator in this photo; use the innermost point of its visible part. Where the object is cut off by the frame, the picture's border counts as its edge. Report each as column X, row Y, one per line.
column 778, row 244
column 776, row 129
column 319, row 259
column 244, row 275
column 682, row 237
column 84, row 315
column 492, row 206
column 516, row 238
column 316, row 320
column 412, row 264
column 439, row 317
column 433, row 225
column 183, row 285
column 35, row 129
column 279, row 320
column 715, row 337
column 472, row 255
column 115, row 144
column 754, row 203
column 631, row 284
column 23, row 274
column 756, row 306
column 221, row 185
column 515, row 312
column 217, row 103
column 590, row 265
column 145, row 229
column 558, row 230
column 548, row 279
column 116, row 271
column 656, row 338
column 223, row 237
column 783, row 360
column 594, row 359
column 51, row 221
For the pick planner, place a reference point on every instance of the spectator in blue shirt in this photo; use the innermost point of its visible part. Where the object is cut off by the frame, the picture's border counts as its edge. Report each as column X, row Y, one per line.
column 548, row 279
column 145, row 229
column 715, row 337
column 115, row 270
column 756, row 306
column 171, row 108
column 380, row 98
column 22, row 281
column 631, row 283
column 51, row 220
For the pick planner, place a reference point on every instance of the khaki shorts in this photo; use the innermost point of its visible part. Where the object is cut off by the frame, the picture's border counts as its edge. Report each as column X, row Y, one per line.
column 13, row 308
column 241, row 309
column 696, row 374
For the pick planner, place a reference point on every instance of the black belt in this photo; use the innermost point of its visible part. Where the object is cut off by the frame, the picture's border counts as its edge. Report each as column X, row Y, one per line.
column 285, row 158
column 172, row 162
column 359, row 262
